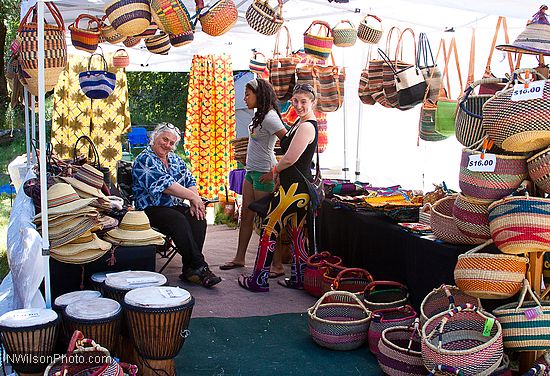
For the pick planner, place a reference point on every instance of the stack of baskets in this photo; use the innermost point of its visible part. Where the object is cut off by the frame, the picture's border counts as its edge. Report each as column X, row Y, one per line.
column 316, row 267
column 240, row 146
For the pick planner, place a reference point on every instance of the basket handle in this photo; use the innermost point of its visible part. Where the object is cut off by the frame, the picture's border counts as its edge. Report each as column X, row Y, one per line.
column 92, row 19
column 373, row 16
column 355, row 272
column 346, row 294
column 318, row 259
column 515, row 77
column 479, row 247
column 545, row 294
column 53, row 10
column 468, row 307
column 415, row 326
column 371, row 286
column 447, row 369
column 344, row 21
column 406, row 309
column 470, row 89
column 92, row 146
column 321, row 24
column 527, row 288
column 105, row 66
column 121, row 50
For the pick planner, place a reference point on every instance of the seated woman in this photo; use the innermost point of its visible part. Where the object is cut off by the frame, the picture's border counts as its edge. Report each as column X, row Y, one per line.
column 161, row 181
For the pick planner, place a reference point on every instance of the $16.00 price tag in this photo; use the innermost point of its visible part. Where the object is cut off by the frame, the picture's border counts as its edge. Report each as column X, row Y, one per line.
column 487, row 164
column 533, row 91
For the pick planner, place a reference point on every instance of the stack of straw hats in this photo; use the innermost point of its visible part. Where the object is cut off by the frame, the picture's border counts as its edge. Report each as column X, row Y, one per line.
column 134, row 230
column 87, row 182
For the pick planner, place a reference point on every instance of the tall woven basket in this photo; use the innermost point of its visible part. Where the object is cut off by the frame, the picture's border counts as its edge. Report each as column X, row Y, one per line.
column 539, row 169
column 400, row 351
column 367, row 32
column 443, row 299
column 261, row 17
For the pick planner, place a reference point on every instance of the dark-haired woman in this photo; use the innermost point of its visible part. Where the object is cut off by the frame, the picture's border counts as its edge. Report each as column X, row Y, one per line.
column 266, row 127
column 288, row 208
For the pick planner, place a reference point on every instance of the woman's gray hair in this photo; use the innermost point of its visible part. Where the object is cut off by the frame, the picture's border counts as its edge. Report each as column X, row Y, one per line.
column 165, row 127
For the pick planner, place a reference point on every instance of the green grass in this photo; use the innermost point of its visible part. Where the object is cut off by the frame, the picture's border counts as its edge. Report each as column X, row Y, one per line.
column 5, row 208
column 8, row 153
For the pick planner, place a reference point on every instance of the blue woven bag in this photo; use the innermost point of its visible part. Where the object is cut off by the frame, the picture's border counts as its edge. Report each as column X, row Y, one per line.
column 97, row 84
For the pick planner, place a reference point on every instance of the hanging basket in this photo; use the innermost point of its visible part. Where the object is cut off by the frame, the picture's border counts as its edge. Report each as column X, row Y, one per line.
column 171, row 16
column 131, row 42
column 109, row 33
column 443, row 299
column 367, row 33
column 182, row 39
column 85, row 39
column 318, row 44
column 345, row 34
column 121, row 58
column 219, row 18
column 539, row 169
column 129, row 17
column 257, row 64
column 316, row 266
column 261, row 17
column 159, row 44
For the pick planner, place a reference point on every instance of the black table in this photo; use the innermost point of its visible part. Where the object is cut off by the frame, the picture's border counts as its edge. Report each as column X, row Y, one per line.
column 376, row 243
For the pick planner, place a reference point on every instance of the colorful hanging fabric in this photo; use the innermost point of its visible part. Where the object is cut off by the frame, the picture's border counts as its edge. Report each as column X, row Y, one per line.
column 211, row 123
column 103, row 120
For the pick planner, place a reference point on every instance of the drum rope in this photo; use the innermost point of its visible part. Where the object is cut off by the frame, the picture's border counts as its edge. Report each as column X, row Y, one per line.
column 154, row 369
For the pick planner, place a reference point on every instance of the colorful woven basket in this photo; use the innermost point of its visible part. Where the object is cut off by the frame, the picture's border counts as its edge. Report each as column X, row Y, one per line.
column 518, row 125
column 538, row 167
column 353, row 280
column 149, row 32
column 345, row 34
column 525, row 325
column 158, row 44
column 330, row 275
column 367, row 33
column 182, row 39
column 471, row 216
column 443, row 224
column 109, row 33
column 442, row 299
column 399, row 351
column 261, row 17
column 129, row 17
column 465, row 338
column 121, row 58
column 85, row 39
column 385, row 294
column 219, row 18
column 338, row 326
column 388, row 318
column 131, row 42
column 520, row 224
column 171, row 16
column 256, row 65
column 490, row 276
column 316, row 266
column 318, row 44
column 509, row 172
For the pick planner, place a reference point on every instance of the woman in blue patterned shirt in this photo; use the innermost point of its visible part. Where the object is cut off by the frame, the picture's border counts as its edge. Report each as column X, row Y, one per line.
column 161, row 181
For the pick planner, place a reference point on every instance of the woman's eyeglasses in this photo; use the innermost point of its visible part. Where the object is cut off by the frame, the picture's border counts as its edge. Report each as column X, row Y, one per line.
column 305, row 87
column 170, row 126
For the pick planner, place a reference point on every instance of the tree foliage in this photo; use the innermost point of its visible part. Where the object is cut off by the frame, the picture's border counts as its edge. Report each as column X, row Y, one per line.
column 158, row 97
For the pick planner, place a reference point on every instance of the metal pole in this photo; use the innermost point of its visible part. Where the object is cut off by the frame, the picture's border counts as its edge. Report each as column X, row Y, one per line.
column 345, row 168
column 27, row 128
column 359, row 128
column 33, row 125
column 42, row 138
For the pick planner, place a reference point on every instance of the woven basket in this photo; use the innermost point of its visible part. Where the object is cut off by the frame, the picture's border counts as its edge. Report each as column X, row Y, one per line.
column 367, row 33
column 263, row 18
column 443, row 299
column 129, row 17
column 339, row 326
column 316, row 266
column 219, row 18
column 509, row 172
column 171, row 16
column 504, row 368
column 353, row 280
column 149, row 32
column 159, row 44
column 518, row 126
column 456, row 338
column 131, row 42
column 388, row 318
column 85, row 39
column 345, row 34
column 471, row 216
column 538, row 167
column 182, row 39
column 399, row 351
column 109, row 33
column 520, row 224
column 490, row 276
column 318, row 44
column 443, row 224
column 525, row 325
column 256, row 65
column 330, row 275
column 385, row 294
column 121, row 58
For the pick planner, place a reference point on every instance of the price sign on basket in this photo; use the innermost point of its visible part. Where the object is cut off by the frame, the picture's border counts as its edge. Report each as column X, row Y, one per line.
column 532, row 90
column 487, row 164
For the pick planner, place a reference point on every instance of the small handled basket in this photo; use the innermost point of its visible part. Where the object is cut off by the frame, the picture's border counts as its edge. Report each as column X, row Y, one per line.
column 367, row 33
column 218, row 18
column 316, row 266
column 525, row 325
column 353, row 280
column 339, row 326
column 158, row 44
column 399, row 351
column 385, row 294
column 442, row 299
column 465, row 338
column 257, row 64
column 345, row 34
column 490, row 276
column 387, row 318
column 318, row 44
column 263, row 18
column 539, row 169
column 121, row 58
column 85, row 39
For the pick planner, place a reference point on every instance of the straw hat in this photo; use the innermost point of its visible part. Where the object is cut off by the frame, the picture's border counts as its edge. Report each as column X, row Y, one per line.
column 133, row 243
column 135, row 227
column 63, row 199
column 59, row 220
column 535, row 39
column 66, row 233
column 84, row 249
column 87, row 181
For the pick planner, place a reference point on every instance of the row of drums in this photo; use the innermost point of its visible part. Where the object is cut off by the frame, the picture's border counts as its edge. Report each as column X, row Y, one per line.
column 132, row 314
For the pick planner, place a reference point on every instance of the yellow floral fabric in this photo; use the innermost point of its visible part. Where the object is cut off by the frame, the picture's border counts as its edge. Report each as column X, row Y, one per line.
column 75, row 115
column 210, row 123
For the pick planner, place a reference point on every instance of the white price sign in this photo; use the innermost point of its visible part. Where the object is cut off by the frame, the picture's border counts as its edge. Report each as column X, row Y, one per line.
column 534, row 90
column 140, row 280
column 170, row 293
column 487, row 164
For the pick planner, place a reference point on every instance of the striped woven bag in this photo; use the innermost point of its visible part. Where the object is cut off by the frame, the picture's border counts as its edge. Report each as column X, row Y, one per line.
column 318, row 44
column 97, row 84
column 539, row 169
column 526, row 324
column 158, row 44
column 261, row 17
column 256, row 65
column 490, row 276
column 85, row 39
column 282, row 68
column 129, row 17
column 178, row 40
column 367, row 33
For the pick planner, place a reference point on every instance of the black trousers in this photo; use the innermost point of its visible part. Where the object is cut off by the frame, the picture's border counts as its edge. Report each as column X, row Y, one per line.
column 187, row 232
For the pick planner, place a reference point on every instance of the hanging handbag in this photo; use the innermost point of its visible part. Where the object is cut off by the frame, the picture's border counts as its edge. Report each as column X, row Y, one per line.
column 365, row 95
column 344, row 33
column 423, row 57
column 121, row 58
column 318, row 44
column 85, row 39
column 97, row 84
column 367, row 33
column 256, row 65
column 282, row 69
column 389, row 85
column 266, row 20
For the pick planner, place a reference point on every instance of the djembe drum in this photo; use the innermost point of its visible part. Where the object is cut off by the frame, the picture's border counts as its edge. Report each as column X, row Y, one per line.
column 98, row 320
column 157, row 319
column 97, row 280
column 116, row 285
column 29, row 337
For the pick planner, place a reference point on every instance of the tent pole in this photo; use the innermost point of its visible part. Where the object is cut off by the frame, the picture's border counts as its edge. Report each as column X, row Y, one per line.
column 345, row 168
column 27, row 128
column 359, row 133
column 42, row 138
column 32, row 114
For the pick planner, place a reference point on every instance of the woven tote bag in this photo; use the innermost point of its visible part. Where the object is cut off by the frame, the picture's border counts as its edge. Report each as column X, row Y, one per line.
column 385, row 294
column 282, row 68
column 388, row 318
column 261, row 17
column 520, row 224
column 129, row 17
column 490, row 276
column 538, row 167
column 85, row 39
column 427, row 64
column 316, row 266
column 318, row 44
column 345, row 34
column 158, row 44
column 370, row 82
column 219, row 18
column 443, row 299
column 526, row 324
column 510, row 171
column 367, row 32
column 443, row 224
column 471, row 216
column 328, row 82
column 399, row 351
column 171, row 16
column 518, row 126
column 97, row 84
column 257, row 64
column 461, row 338
column 389, row 85
column 55, row 49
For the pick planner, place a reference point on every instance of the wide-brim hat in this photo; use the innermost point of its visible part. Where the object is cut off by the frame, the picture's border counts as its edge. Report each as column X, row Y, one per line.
column 83, row 189
column 87, row 179
column 83, row 257
column 86, row 242
column 67, row 232
column 134, row 243
column 57, row 218
column 62, row 199
column 135, row 226
column 535, row 39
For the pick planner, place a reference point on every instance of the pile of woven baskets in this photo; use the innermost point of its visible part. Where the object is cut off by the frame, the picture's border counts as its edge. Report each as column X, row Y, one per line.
column 240, row 146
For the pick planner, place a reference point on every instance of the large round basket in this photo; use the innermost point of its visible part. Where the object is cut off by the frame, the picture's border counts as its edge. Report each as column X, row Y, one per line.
column 399, row 351
column 442, row 299
column 539, row 169
column 443, row 224
column 385, row 294
column 261, row 17
column 345, row 34
column 129, row 17
column 367, row 33
column 219, row 18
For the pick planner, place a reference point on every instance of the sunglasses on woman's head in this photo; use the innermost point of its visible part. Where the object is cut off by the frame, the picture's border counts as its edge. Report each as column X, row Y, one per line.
column 304, row 87
column 170, row 126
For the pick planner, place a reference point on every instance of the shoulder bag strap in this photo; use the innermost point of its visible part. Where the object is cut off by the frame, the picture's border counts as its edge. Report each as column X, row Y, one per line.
column 471, row 68
column 501, row 22
column 452, row 48
column 442, row 48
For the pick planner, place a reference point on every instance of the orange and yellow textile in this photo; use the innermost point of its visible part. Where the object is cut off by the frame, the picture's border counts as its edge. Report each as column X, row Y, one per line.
column 210, row 123
column 103, row 120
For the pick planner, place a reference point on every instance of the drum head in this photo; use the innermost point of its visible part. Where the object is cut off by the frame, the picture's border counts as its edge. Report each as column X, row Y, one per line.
column 130, row 280
column 99, row 277
column 22, row 318
column 157, row 297
column 71, row 297
column 100, row 308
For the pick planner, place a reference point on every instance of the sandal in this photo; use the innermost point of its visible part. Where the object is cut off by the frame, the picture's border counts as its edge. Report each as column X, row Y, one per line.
column 276, row 274
column 248, row 284
column 231, row 265
column 290, row 284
